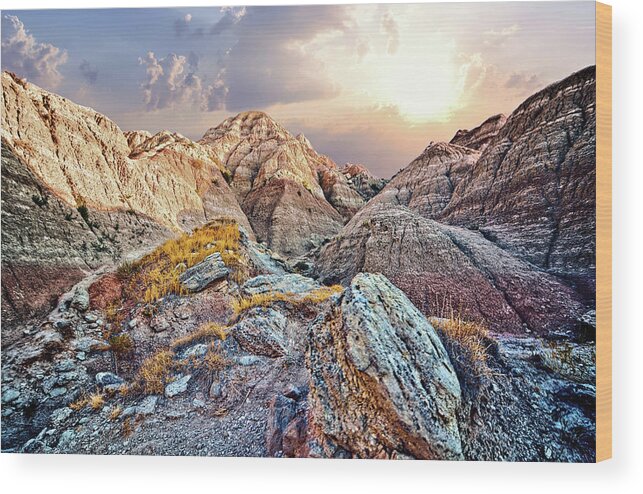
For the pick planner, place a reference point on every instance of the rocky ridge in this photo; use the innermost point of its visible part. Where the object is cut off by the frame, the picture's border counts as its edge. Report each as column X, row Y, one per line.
column 294, row 197
column 76, row 196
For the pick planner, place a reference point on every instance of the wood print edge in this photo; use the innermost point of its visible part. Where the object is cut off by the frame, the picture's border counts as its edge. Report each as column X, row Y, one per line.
column 603, row 232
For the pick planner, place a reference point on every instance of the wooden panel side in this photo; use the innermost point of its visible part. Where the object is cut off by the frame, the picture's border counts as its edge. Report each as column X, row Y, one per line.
column 603, row 232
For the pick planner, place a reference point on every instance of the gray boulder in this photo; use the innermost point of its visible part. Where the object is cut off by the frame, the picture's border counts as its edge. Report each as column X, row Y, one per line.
column 180, row 385
column 80, row 299
column 289, row 283
column 261, row 332
column 382, row 384
column 109, row 381
column 201, row 275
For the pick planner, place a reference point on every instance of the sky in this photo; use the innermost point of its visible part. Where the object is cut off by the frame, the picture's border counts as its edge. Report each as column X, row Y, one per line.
column 371, row 84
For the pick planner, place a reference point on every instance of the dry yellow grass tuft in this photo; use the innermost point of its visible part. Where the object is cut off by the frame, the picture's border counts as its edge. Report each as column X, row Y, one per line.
column 214, row 361
column 79, row 404
column 206, row 331
column 157, row 274
column 96, row 401
column 266, row 299
column 467, row 342
column 115, row 413
column 121, row 344
column 155, row 371
column 322, row 294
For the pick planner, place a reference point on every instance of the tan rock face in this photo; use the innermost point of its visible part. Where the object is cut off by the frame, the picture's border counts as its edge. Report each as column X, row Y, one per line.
column 84, row 158
column 294, row 197
column 426, row 185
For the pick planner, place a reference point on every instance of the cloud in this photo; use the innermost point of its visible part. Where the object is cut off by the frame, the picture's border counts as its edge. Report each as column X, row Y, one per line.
column 171, row 81
column 524, row 83
column 272, row 61
column 89, row 72
column 498, row 37
column 231, row 16
column 182, row 25
column 389, row 25
column 23, row 54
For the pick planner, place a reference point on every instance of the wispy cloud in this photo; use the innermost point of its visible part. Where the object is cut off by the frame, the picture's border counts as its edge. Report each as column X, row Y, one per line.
column 22, row 53
column 391, row 29
column 269, row 63
column 498, row 37
column 171, row 80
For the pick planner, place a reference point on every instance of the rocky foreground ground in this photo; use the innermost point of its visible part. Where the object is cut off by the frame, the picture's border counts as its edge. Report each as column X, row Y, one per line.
column 255, row 360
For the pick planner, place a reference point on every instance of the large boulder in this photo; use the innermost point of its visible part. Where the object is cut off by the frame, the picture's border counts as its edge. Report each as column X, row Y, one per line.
column 286, row 284
column 382, row 384
column 261, row 331
column 201, row 275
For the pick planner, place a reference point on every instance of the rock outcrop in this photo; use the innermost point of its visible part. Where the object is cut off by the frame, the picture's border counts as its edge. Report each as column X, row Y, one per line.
column 525, row 257
column 427, row 183
column 533, row 189
column 49, row 245
column 367, row 184
column 76, row 196
column 445, row 269
column 382, row 384
column 83, row 158
column 294, row 197
column 480, row 137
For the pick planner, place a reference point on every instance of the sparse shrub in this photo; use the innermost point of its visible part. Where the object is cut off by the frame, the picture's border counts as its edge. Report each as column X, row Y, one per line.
column 79, row 404
column 155, row 371
column 115, row 413
column 126, row 269
column 96, row 401
column 40, row 200
column 207, row 331
column 84, row 213
column 467, row 344
column 127, row 428
column 68, row 216
column 227, row 175
column 121, row 344
column 214, row 361
column 266, row 299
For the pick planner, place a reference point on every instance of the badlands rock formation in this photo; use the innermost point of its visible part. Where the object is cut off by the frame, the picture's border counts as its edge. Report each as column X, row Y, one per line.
column 444, row 268
column 533, row 189
column 294, row 198
column 480, row 137
column 382, row 383
column 83, row 158
column 75, row 195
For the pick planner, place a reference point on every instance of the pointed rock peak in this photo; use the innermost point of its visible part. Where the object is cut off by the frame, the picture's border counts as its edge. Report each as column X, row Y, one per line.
column 354, row 169
column 304, row 140
column 255, row 124
column 479, row 137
